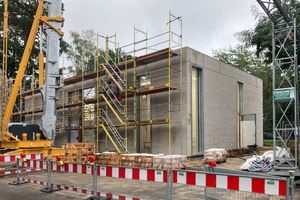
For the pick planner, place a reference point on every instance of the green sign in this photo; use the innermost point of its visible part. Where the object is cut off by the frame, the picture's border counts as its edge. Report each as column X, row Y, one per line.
column 283, row 94
column 270, row 182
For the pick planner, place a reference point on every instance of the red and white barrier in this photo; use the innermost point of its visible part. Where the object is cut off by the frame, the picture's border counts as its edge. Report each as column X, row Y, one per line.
column 237, row 183
column 260, row 185
column 13, row 158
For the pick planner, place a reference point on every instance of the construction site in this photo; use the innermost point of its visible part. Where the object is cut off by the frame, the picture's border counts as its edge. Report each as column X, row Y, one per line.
column 150, row 118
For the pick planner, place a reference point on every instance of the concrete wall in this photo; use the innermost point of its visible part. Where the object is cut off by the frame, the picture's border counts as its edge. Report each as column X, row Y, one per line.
column 220, row 84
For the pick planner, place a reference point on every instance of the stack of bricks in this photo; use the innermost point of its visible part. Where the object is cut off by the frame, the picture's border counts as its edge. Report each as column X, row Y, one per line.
column 137, row 160
column 78, row 152
column 170, row 161
column 108, row 158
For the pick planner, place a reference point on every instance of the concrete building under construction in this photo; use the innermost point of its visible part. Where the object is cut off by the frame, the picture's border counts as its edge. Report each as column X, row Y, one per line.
column 160, row 98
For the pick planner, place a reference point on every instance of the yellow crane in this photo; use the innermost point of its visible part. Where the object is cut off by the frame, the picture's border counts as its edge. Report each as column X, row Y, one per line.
column 4, row 56
column 8, row 140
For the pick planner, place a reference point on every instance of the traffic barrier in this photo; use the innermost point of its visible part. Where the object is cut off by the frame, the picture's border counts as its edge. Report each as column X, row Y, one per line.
column 6, row 160
column 13, row 158
column 232, row 182
column 274, row 186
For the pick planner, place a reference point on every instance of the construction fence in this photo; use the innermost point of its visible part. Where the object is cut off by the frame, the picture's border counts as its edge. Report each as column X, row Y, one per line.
column 110, row 182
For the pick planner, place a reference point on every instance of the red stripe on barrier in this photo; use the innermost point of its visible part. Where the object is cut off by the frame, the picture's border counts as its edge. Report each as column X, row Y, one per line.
column 98, row 170
column 258, row 185
column 174, row 176
column 135, row 198
column 34, row 164
column 75, row 189
column 211, row 180
column 109, row 196
column 2, row 159
column 136, row 174
column 33, row 156
column 122, row 197
column 191, row 178
column 66, row 187
column 233, row 183
column 150, row 175
column 13, row 158
column 74, row 168
column 83, row 168
column 109, row 171
column 121, row 172
column 66, row 167
column 165, row 176
column 84, row 191
column 282, row 188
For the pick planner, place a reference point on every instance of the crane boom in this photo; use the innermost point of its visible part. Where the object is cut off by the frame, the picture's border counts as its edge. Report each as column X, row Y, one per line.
column 4, row 57
column 21, row 71
column 53, row 35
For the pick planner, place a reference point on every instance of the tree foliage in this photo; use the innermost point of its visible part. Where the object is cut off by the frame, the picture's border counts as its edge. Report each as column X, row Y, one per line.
column 82, row 52
column 258, row 62
column 261, row 36
column 21, row 15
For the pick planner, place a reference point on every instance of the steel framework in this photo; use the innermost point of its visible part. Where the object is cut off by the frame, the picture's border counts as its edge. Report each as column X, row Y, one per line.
column 285, row 84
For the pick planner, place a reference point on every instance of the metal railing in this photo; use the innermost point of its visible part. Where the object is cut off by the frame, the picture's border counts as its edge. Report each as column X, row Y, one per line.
column 112, row 97
column 115, row 71
column 150, row 183
column 105, row 118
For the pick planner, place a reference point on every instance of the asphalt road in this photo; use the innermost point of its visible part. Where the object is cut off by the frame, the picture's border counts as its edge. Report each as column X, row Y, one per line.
column 32, row 192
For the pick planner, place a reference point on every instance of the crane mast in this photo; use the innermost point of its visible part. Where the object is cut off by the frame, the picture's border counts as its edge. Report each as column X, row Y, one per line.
column 52, row 77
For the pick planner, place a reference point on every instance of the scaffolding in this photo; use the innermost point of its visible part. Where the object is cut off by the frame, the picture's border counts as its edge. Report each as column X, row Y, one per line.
column 131, row 89
column 285, row 36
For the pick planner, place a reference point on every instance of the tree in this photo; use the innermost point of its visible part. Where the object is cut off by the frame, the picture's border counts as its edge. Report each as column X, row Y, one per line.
column 261, row 36
column 21, row 15
column 246, row 60
column 82, row 51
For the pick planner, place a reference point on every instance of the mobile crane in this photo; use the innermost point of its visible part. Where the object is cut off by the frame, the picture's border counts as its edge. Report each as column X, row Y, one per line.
column 52, row 23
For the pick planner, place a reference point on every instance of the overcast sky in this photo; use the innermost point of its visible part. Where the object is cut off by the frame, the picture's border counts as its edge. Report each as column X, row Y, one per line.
column 207, row 24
